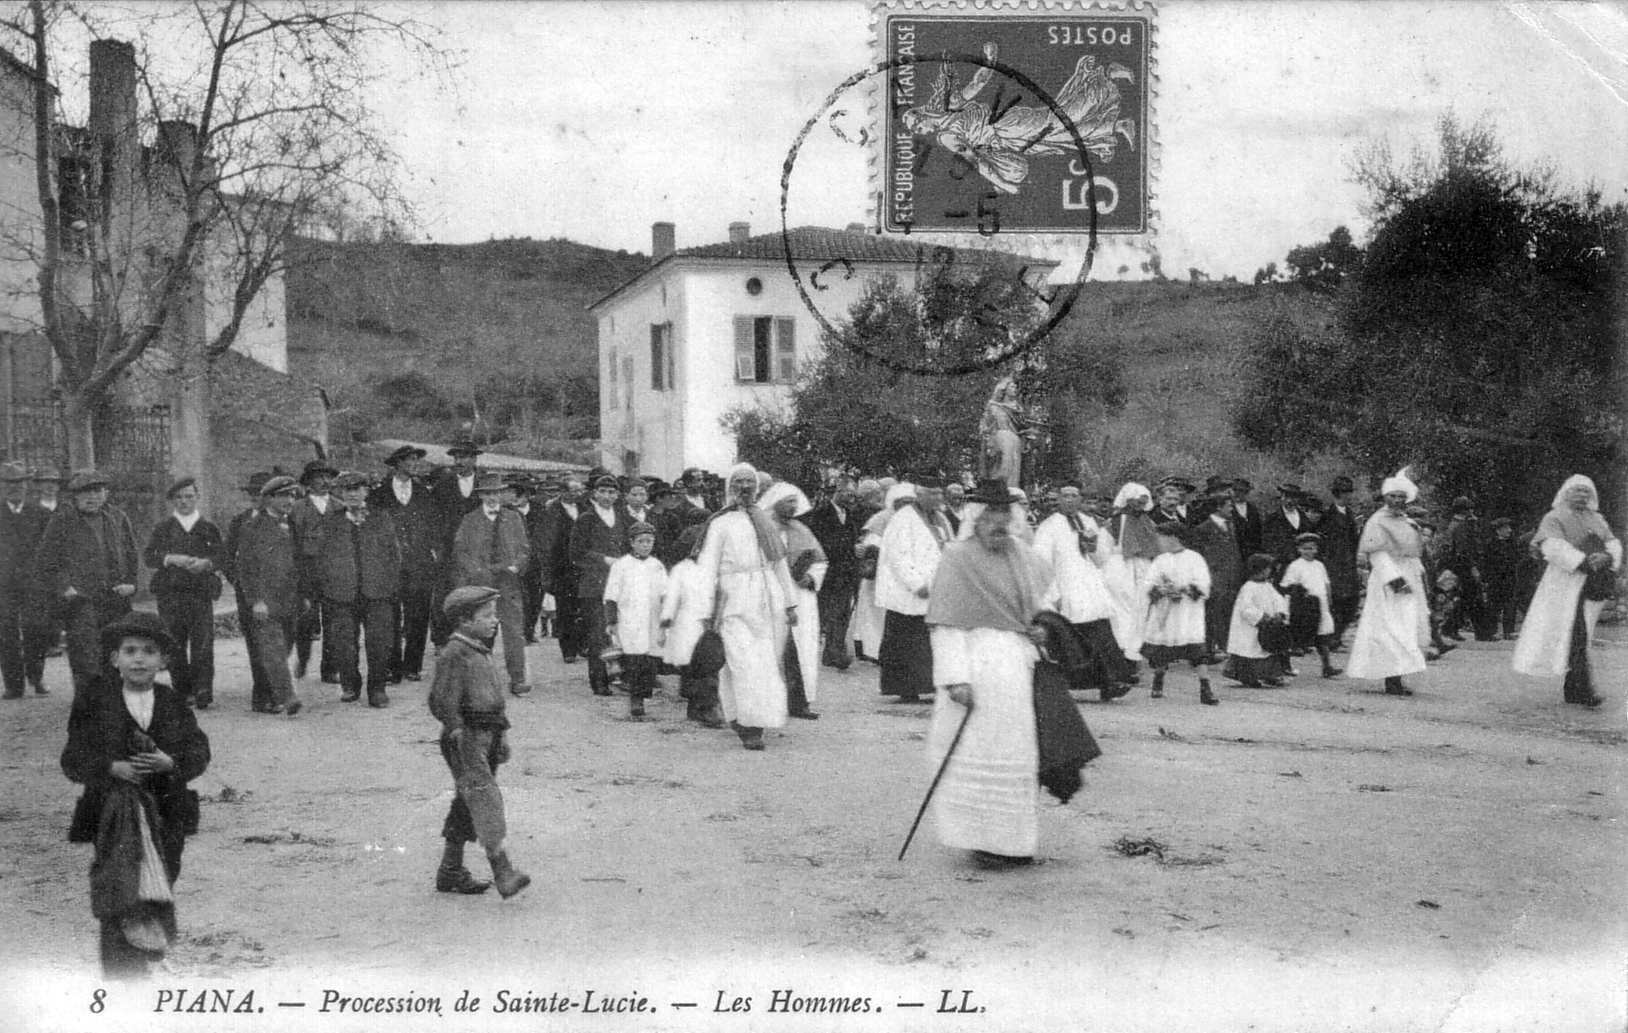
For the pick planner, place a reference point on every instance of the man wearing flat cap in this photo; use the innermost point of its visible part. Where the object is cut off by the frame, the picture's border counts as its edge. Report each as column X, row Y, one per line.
column 359, row 571
column 491, row 550
column 268, row 577
column 245, row 617
column 306, row 519
column 88, row 562
column 417, row 519
column 1246, row 517
column 21, row 523
column 185, row 552
column 598, row 539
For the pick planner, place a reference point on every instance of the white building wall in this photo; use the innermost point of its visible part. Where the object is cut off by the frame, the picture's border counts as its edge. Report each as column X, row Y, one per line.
column 19, row 206
column 633, row 417
column 263, row 335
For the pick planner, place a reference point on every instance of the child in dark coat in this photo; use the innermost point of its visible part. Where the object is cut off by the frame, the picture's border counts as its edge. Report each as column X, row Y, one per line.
column 1500, row 573
column 134, row 744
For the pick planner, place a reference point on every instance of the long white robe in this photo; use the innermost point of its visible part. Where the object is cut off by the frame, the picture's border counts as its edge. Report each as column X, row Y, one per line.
column 805, row 636
column 751, row 596
column 865, row 626
column 1394, row 626
column 1256, row 599
column 1544, row 648
column 1126, row 578
column 636, row 587
column 911, row 551
column 988, row 799
column 1313, row 576
column 686, row 605
column 1079, row 592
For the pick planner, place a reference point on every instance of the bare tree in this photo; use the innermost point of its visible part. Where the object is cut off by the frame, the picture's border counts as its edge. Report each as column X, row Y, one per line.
column 248, row 122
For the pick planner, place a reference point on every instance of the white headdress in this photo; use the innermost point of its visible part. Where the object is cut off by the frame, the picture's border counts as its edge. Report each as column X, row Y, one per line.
column 1130, row 491
column 784, row 490
column 1400, row 481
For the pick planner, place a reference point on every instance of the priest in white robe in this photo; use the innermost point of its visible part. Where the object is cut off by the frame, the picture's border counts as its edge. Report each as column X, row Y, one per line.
column 987, row 593
column 1068, row 542
column 744, row 573
column 1395, row 622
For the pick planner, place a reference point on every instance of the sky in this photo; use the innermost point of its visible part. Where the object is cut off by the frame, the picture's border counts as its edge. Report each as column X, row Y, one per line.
column 591, row 121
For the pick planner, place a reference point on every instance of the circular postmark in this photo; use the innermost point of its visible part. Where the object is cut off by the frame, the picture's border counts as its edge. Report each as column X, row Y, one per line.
column 1059, row 301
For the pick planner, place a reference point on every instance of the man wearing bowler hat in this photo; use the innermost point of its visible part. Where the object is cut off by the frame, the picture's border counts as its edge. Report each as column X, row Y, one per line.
column 1280, row 529
column 1340, row 530
column 1246, row 517
column 417, row 519
column 453, row 489
column 598, row 539
column 491, row 550
column 306, row 519
column 88, row 561
column 21, row 523
column 359, row 571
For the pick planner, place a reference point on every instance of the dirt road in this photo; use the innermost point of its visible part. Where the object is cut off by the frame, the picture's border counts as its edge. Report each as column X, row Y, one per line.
column 1332, row 859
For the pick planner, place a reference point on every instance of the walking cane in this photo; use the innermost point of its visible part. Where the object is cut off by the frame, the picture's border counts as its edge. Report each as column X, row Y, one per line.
column 936, row 778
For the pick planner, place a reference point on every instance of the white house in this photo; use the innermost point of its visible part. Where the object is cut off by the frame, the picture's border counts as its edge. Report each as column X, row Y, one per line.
column 709, row 329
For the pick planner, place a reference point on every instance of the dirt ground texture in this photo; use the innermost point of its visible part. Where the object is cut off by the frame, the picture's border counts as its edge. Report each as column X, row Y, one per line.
column 1333, row 859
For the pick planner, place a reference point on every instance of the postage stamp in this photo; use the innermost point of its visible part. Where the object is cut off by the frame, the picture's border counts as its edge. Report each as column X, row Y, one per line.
column 1015, row 119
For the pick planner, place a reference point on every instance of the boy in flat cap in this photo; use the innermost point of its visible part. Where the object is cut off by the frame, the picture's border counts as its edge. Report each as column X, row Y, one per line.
column 185, row 553
column 134, row 745
column 268, row 576
column 87, row 561
column 491, row 550
column 466, row 697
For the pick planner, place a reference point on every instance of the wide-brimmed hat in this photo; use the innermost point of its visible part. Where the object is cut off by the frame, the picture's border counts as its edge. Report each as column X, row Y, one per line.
column 86, row 480
column 317, row 466
column 47, row 473
column 606, row 480
column 992, row 492
column 404, row 453
column 136, row 624
column 1290, row 490
column 464, row 447
column 256, row 481
column 491, row 482
column 352, row 479
column 13, row 472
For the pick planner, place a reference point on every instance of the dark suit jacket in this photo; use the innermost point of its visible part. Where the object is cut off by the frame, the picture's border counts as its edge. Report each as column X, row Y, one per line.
column 69, row 554
column 559, row 573
column 1277, row 536
column 266, row 565
column 592, row 540
column 533, row 518
column 19, row 538
column 234, row 536
column 1340, row 532
column 479, row 560
column 419, row 532
column 1219, row 547
column 1248, row 530
column 837, row 538
column 203, row 541
column 451, row 503
column 357, row 563
column 99, row 732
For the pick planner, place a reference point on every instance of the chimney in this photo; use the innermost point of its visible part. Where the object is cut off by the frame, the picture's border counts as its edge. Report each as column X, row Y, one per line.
column 178, row 145
column 856, row 227
column 739, row 231
column 113, row 112
column 663, row 240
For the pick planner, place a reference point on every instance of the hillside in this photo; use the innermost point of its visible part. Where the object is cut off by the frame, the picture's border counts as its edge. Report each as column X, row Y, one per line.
column 415, row 340
column 412, row 340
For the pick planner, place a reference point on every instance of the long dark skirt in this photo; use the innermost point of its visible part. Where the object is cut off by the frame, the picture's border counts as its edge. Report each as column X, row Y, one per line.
column 1105, row 664
column 1579, row 685
column 907, row 656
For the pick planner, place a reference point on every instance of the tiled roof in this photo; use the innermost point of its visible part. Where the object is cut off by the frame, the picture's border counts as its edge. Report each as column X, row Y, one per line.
column 821, row 244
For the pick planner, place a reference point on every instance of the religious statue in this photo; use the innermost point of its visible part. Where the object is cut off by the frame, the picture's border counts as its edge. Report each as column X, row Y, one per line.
column 999, row 434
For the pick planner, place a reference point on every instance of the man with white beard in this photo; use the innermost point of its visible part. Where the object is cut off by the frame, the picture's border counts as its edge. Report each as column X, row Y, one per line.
column 743, row 569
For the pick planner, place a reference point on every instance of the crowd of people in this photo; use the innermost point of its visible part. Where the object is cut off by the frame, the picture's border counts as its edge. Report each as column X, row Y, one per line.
column 744, row 589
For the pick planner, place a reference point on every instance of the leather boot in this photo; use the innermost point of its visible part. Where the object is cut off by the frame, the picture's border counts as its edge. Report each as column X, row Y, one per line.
column 453, row 877
column 1394, row 687
column 1205, row 696
column 508, row 881
column 1158, row 685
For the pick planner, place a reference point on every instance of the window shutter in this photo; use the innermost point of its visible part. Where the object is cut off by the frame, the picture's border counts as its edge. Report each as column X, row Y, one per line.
column 657, row 365
column 667, row 353
column 785, row 350
column 745, row 368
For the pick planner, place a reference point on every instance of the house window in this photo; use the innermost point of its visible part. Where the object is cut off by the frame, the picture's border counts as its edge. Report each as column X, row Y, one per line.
column 765, row 350
column 661, row 356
